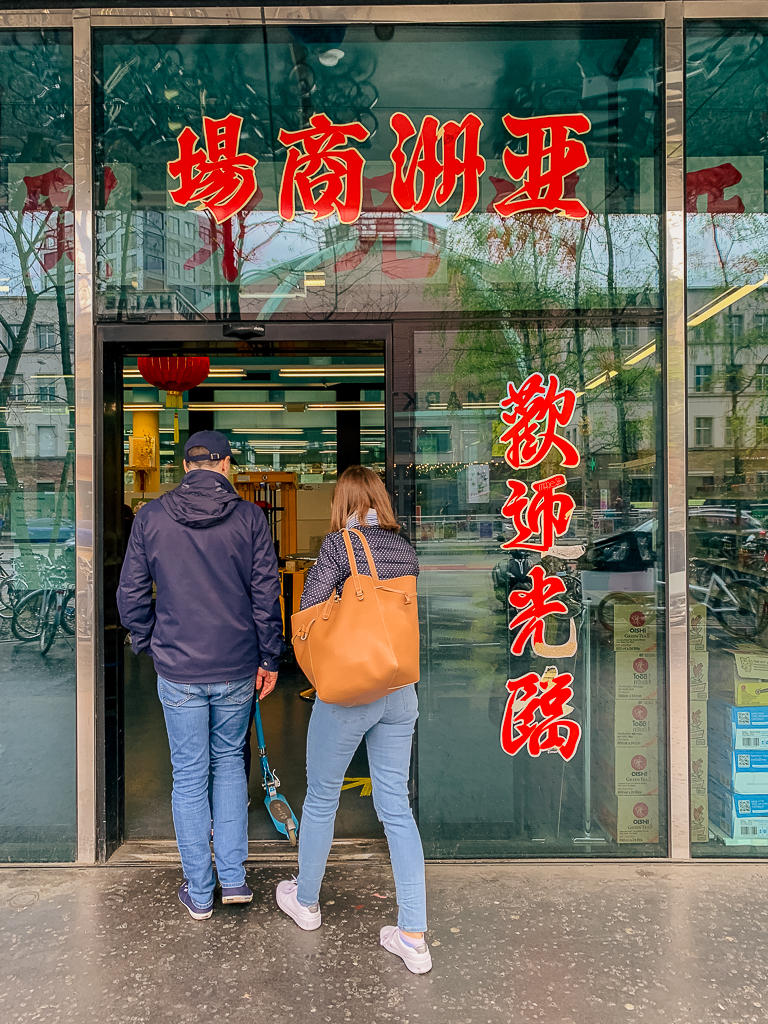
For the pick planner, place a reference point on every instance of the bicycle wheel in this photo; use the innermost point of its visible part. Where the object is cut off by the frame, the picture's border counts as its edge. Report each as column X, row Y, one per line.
column 25, row 624
column 742, row 610
column 606, row 606
column 49, row 624
column 68, row 614
column 10, row 594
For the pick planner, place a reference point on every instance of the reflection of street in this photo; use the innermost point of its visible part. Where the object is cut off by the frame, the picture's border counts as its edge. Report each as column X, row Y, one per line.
column 37, row 750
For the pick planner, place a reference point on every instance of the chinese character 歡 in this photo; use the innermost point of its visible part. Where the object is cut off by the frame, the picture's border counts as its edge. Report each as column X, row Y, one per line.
column 532, row 413
column 534, row 605
column 326, row 172
column 415, row 182
column 218, row 178
column 547, row 512
column 551, row 155
column 536, row 715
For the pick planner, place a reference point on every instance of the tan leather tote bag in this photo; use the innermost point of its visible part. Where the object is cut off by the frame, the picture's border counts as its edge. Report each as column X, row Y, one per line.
column 363, row 643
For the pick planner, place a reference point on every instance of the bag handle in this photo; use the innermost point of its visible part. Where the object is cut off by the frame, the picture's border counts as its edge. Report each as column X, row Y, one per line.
column 368, row 555
column 353, row 564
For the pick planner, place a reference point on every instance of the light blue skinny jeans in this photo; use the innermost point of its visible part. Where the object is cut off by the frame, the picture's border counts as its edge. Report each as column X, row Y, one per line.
column 334, row 735
column 206, row 724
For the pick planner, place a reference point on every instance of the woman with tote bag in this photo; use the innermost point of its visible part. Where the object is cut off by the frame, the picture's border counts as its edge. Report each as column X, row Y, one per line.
column 378, row 599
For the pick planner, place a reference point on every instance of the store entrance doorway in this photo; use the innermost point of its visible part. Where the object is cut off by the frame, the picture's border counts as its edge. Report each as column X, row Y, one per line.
column 298, row 403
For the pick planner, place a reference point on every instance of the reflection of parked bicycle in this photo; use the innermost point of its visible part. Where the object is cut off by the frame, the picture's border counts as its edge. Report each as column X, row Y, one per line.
column 740, row 605
column 40, row 614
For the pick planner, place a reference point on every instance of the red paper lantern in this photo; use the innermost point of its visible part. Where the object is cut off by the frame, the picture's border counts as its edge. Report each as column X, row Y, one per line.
column 174, row 375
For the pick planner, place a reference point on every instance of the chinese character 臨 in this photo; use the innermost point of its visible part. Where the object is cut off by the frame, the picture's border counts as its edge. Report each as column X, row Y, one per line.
column 326, row 172
column 547, row 512
column 435, row 166
column 534, row 605
column 532, row 413
column 551, row 155
column 219, row 178
column 536, row 715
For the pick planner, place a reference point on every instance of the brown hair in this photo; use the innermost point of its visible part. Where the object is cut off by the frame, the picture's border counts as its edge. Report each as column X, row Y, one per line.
column 357, row 491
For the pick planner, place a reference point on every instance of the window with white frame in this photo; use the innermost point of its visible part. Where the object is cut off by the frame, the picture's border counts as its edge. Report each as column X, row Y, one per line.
column 46, row 442
column 702, row 431
column 46, row 336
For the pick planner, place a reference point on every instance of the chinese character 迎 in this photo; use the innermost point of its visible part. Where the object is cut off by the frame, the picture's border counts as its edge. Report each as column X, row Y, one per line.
column 534, row 605
column 218, row 178
column 536, row 715
column 551, row 155
column 532, row 413
column 547, row 512
column 435, row 166
column 324, row 169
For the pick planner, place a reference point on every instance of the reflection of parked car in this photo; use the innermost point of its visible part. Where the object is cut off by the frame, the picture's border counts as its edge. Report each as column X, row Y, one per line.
column 41, row 530
column 720, row 532
column 628, row 551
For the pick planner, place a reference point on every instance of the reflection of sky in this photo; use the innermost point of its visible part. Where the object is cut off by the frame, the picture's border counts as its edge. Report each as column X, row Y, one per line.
column 734, row 253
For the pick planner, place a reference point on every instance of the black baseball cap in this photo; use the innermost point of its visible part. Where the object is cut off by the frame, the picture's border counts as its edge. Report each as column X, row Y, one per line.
column 216, row 445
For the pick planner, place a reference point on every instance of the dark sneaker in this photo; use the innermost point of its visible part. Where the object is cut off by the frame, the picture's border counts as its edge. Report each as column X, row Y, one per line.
column 195, row 912
column 241, row 894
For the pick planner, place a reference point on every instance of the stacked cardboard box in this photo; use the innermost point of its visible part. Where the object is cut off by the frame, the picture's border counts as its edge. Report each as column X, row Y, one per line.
column 627, row 762
column 697, row 722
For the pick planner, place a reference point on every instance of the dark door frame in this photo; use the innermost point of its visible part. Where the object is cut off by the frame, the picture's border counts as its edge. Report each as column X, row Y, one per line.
column 113, row 342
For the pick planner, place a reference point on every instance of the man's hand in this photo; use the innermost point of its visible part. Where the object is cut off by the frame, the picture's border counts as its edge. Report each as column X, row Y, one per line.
column 265, row 682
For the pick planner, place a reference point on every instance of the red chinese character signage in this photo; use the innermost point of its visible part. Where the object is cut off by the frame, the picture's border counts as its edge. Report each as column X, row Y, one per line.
column 536, row 715
column 537, row 709
column 551, row 155
column 323, row 173
column 219, row 178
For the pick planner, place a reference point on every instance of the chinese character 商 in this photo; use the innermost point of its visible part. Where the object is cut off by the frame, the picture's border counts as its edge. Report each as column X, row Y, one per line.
column 326, row 172
column 535, row 604
column 532, row 413
column 435, row 166
column 536, row 715
column 219, row 178
column 551, row 155
column 547, row 513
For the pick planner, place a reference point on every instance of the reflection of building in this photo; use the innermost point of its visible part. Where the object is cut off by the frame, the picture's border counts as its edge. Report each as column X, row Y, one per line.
column 39, row 416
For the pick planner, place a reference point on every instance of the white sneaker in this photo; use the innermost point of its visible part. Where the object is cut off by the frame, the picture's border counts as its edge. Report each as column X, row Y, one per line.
column 307, row 918
column 416, row 958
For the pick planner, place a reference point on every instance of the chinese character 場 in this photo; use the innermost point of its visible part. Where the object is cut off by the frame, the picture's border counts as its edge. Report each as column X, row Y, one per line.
column 551, row 155
column 535, row 715
column 547, row 513
column 415, row 184
column 532, row 413
column 535, row 604
column 219, row 178
column 325, row 171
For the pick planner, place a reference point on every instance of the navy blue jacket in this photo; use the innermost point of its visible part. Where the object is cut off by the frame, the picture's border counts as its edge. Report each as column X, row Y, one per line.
column 217, row 614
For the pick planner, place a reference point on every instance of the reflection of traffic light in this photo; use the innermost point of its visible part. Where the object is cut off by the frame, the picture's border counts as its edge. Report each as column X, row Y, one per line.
column 592, row 464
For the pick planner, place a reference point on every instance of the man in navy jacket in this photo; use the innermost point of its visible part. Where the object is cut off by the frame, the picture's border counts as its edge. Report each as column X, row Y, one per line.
column 214, row 633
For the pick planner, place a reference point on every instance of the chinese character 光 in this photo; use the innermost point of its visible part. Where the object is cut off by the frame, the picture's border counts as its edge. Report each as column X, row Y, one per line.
column 436, row 159
column 547, row 512
column 326, row 172
column 535, row 604
column 551, row 155
column 218, row 178
column 536, row 715
column 532, row 413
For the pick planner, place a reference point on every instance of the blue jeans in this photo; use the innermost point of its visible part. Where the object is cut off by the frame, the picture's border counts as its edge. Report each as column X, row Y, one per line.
column 206, row 726
column 334, row 735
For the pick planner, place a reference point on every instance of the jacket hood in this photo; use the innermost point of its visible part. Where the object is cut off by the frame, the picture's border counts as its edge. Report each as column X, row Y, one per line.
column 202, row 499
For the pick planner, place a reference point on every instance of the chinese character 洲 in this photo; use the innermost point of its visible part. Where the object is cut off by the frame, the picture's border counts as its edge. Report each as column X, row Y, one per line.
column 536, row 715
column 534, row 605
column 218, row 178
column 547, row 512
column 326, row 172
column 532, row 413
column 550, row 156
column 435, row 159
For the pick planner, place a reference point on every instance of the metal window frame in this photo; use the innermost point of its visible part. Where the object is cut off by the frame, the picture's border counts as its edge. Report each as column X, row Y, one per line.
column 673, row 14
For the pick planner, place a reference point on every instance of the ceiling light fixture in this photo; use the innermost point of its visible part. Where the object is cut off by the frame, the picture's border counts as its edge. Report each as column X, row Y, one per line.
column 722, row 302
column 603, row 378
column 331, row 371
column 642, row 353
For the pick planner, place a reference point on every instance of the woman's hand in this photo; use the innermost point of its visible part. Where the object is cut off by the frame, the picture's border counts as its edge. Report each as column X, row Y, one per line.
column 265, row 682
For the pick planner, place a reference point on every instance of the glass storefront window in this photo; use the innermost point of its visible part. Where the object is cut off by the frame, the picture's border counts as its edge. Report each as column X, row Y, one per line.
column 37, row 421
column 727, row 71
